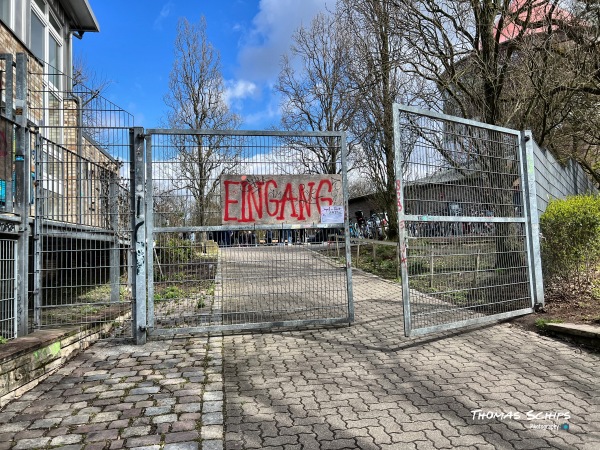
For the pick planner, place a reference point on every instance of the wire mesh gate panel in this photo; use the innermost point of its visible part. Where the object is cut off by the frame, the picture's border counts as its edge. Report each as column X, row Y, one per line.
column 236, row 227
column 82, row 227
column 464, row 220
column 8, row 284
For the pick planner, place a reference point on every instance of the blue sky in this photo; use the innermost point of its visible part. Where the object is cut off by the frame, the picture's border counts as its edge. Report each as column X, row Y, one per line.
column 134, row 50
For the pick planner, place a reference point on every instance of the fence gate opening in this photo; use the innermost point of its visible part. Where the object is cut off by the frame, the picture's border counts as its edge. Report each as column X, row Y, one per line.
column 236, row 223
column 468, row 236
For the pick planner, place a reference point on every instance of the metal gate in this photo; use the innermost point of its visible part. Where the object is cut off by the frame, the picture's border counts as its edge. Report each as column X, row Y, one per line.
column 236, row 223
column 469, row 235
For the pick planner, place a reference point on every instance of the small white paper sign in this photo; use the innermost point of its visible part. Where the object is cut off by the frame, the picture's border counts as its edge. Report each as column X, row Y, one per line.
column 332, row 214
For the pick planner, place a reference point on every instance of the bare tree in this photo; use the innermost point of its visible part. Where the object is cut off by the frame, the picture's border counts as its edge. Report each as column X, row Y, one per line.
column 378, row 83
column 196, row 102
column 88, row 89
column 317, row 93
column 512, row 63
column 94, row 84
column 527, row 64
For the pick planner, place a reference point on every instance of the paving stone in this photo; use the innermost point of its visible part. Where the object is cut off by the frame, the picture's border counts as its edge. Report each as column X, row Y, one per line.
column 183, row 436
column 45, row 423
column 35, row 443
column 215, row 418
column 182, row 446
column 364, row 386
column 66, row 440
column 212, row 444
column 166, row 418
column 143, row 441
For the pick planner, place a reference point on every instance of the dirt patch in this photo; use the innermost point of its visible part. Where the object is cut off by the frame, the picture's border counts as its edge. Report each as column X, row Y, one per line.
column 563, row 306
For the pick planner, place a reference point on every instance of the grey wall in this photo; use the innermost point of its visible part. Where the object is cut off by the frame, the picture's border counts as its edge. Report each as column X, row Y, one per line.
column 554, row 180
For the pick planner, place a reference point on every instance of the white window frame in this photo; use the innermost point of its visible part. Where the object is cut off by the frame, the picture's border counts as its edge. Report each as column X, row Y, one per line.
column 55, row 88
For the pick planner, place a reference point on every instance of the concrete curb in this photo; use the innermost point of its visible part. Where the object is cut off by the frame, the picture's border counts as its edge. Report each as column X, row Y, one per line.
column 588, row 335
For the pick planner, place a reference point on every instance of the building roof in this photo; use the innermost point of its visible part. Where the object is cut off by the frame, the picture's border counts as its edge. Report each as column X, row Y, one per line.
column 445, row 176
column 81, row 16
column 533, row 14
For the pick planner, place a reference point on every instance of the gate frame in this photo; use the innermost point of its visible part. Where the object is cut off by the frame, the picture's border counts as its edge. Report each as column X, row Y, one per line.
column 144, row 323
column 530, row 220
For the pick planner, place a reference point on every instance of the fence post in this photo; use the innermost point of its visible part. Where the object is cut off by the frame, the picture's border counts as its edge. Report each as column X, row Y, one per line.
column 138, row 235
column 402, row 232
column 348, row 248
column 38, row 241
column 532, row 225
column 115, row 254
column 8, row 107
column 23, row 179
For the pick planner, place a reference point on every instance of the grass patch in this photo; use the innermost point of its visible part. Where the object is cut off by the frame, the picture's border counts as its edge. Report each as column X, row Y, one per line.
column 542, row 324
column 169, row 293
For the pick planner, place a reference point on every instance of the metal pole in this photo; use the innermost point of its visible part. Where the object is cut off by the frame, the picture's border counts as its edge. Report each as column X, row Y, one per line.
column 22, row 175
column 9, row 111
column 402, row 235
column 38, row 241
column 115, row 256
column 347, row 230
column 151, row 251
column 138, row 235
column 532, row 225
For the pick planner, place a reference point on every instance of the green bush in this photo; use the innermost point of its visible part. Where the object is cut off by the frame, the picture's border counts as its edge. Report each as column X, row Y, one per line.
column 571, row 238
column 175, row 251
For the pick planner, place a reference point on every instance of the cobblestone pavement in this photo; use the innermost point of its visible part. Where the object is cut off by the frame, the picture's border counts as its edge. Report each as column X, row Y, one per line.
column 358, row 387
column 367, row 387
column 167, row 394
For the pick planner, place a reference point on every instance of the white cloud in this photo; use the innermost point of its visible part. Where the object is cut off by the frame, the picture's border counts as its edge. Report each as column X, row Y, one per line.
column 271, row 32
column 164, row 13
column 239, row 90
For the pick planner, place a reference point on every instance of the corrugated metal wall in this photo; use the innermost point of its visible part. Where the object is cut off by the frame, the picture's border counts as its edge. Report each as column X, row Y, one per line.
column 554, row 180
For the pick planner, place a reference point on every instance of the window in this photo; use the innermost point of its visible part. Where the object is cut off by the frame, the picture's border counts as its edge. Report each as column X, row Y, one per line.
column 51, row 180
column 46, row 44
column 37, row 36
column 41, row 4
column 55, row 121
column 54, row 61
column 5, row 12
column 46, row 41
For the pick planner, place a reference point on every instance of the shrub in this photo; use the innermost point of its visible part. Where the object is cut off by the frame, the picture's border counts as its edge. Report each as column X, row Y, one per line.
column 176, row 251
column 571, row 238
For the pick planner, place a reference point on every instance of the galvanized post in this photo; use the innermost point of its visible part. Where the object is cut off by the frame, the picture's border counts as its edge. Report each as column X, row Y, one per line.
column 38, row 242
column 150, row 232
column 22, row 178
column 138, row 236
column 115, row 256
column 402, row 235
column 347, row 230
column 9, row 111
column 533, row 224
